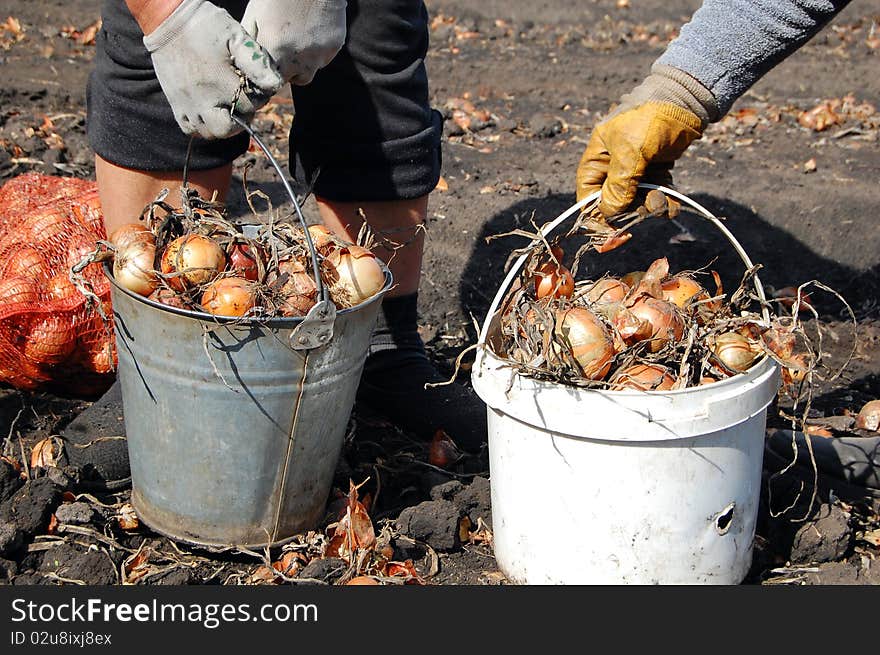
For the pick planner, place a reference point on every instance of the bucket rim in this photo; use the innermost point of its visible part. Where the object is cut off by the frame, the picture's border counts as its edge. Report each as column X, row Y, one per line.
column 757, row 369
column 283, row 322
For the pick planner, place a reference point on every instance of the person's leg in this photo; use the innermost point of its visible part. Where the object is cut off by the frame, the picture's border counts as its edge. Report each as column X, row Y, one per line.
column 367, row 142
column 125, row 192
column 398, row 227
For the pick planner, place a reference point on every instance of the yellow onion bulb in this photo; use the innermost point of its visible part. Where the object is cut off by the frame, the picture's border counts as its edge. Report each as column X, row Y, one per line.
column 643, row 377
column 681, row 290
column 51, row 340
column 126, row 234
column 229, row 296
column 663, row 317
column 733, row 350
column 606, row 291
column 586, row 337
column 24, row 261
column 192, row 260
column 868, row 417
column 354, row 275
column 133, row 268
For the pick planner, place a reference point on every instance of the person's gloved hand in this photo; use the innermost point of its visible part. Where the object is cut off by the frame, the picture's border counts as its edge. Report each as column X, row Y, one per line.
column 649, row 130
column 207, row 64
column 301, row 35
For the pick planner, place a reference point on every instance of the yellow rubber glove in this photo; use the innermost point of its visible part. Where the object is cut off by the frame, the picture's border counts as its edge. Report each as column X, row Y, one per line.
column 644, row 137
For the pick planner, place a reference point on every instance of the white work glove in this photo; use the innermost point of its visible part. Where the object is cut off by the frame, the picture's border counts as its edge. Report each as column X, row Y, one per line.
column 206, row 64
column 301, row 35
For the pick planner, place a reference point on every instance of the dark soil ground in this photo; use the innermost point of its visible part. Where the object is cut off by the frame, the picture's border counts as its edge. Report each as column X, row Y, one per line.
column 539, row 75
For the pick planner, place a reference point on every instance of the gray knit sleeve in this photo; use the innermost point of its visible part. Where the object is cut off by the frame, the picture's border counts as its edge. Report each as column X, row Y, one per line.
column 729, row 44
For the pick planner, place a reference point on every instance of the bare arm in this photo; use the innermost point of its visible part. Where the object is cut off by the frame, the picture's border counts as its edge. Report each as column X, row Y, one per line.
column 149, row 14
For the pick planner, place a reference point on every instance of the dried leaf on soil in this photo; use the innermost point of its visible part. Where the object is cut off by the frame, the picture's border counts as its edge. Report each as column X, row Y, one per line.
column 127, row 517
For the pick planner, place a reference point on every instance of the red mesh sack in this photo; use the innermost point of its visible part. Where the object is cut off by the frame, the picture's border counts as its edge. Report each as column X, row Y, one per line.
column 51, row 335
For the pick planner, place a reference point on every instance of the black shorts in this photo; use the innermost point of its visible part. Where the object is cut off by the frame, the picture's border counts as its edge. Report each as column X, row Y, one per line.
column 363, row 129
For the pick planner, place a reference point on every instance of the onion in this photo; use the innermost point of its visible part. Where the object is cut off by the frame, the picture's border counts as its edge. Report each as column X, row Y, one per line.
column 50, row 227
column 586, row 337
column 51, row 340
column 299, row 292
column 125, row 234
column 354, row 276
column 103, row 359
column 665, row 321
column 868, row 417
column 168, row 297
column 681, row 290
column 24, row 261
column 733, row 350
column 633, row 278
column 133, row 268
column 553, row 280
column 643, row 377
column 243, row 261
column 192, row 260
column 323, row 239
column 77, row 252
column 18, row 289
column 796, row 369
column 229, row 296
column 59, row 287
column 606, row 291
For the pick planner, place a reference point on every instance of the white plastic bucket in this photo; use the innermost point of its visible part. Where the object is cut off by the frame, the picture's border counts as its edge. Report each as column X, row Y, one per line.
column 623, row 487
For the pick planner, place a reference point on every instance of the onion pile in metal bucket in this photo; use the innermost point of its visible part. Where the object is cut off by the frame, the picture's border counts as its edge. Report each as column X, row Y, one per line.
column 650, row 330
column 194, row 258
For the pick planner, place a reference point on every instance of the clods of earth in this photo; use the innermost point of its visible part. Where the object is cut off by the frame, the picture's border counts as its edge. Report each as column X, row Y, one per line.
column 792, row 170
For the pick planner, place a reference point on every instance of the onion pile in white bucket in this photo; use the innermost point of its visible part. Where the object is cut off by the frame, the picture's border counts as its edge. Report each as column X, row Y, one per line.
column 647, row 330
column 195, row 259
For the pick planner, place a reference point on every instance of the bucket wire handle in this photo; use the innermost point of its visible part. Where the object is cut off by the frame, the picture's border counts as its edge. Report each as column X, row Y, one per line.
column 316, row 328
column 549, row 227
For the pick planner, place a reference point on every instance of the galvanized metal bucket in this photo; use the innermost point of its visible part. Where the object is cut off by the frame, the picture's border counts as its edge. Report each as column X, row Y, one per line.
column 235, row 427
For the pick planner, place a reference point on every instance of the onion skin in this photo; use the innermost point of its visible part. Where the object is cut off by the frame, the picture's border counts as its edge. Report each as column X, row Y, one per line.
column 125, row 234
column 588, row 340
column 195, row 259
column 606, row 291
column 681, row 291
column 733, row 350
column 133, row 268
column 632, row 278
column 553, row 280
column 665, row 321
column 168, row 297
column 643, row 377
column 323, row 239
column 229, row 296
column 353, row 276
column 299, row 291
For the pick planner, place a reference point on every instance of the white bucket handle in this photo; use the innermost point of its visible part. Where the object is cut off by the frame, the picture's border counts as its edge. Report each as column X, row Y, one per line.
column 549, row 227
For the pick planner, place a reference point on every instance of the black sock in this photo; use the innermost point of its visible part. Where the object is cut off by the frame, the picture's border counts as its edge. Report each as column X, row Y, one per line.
column 397, row 328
